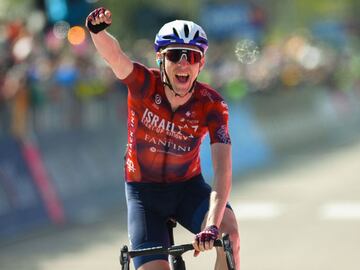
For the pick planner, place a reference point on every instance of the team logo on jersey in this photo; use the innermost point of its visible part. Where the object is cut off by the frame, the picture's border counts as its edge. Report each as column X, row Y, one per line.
column 223, row 135
column 161, row 125
column 157, row 99
column 171, row 145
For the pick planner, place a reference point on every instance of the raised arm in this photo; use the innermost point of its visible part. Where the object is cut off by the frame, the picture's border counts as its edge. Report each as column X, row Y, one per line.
column 107, row 46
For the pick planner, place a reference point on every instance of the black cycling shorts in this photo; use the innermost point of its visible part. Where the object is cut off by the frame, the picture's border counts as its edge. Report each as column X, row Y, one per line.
column 150, row 205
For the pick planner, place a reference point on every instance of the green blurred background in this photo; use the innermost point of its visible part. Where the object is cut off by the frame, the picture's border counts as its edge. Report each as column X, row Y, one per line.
column 289, row 71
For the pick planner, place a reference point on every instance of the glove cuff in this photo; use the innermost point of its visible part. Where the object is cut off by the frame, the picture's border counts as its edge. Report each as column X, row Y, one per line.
column 97, row 27
column 213, row 229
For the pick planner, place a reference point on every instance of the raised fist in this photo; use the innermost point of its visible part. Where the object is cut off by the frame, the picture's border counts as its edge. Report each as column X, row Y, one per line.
column 98, row 20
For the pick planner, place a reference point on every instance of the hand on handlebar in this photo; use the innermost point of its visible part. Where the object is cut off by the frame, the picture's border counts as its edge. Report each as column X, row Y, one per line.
column 98, row 20
column 204, row 240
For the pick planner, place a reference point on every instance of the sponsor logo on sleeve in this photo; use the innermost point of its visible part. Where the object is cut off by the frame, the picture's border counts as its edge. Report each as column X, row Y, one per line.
column 223, row 135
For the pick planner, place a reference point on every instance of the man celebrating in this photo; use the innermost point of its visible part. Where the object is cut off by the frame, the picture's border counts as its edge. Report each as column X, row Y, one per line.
column 169, row 113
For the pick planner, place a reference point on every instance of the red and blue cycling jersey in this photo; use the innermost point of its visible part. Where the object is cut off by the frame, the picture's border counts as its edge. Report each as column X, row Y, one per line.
column 164, row 145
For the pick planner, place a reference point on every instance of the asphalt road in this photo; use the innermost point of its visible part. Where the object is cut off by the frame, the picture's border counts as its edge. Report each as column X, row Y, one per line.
column 305, row 215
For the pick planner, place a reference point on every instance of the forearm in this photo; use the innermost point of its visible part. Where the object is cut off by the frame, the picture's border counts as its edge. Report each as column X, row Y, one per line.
column 108, row 47
column 222, row 164
column 219, row 197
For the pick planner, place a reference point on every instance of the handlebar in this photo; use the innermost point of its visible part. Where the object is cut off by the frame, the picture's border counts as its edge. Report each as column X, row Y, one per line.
column 173, row 250
column 177, row 250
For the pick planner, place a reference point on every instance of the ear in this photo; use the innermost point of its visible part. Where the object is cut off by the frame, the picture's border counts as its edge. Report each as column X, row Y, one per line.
column 158, row 59
column 202, row 63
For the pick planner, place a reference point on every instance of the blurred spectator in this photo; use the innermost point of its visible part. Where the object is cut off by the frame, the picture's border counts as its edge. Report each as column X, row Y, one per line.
column 14, row 88
column 48, row 82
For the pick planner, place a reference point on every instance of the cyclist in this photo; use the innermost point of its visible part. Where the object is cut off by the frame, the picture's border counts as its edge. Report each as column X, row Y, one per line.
column 169, row 113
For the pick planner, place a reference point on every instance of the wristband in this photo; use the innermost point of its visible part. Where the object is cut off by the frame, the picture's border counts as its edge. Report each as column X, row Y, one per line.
column 92, row 16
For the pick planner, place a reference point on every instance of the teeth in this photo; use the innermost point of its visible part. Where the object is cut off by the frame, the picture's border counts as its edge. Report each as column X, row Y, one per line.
column 182, row 75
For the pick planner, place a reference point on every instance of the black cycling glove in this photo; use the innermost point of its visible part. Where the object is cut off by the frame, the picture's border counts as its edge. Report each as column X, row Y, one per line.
column 209, row 233
column 92, row 16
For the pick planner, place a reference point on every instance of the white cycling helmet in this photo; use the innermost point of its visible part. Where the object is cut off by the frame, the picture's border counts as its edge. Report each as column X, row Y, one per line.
column 181, row 32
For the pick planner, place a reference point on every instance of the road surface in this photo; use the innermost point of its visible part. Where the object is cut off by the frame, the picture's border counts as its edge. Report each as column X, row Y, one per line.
column 305, row 215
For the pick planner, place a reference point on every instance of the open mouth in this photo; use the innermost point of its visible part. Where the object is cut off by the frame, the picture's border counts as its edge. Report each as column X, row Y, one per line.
column 182, row 78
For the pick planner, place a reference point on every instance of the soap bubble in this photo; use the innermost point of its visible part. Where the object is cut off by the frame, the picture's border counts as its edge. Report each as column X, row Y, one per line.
column 247, row 51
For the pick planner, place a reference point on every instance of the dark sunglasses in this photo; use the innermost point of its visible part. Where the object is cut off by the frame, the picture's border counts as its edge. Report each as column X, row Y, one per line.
column 176, row 54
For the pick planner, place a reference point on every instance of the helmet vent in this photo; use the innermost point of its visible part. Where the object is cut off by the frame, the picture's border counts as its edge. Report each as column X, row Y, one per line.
column 186, row 30
column 167, row 37
column 175, row 32
column 196, row 35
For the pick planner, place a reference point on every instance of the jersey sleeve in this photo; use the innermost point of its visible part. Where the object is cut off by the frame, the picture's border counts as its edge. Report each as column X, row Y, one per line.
column 140, row 81
column 218, row 122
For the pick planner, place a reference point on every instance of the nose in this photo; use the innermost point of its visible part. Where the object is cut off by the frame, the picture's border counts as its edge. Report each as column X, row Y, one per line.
column 183, row 60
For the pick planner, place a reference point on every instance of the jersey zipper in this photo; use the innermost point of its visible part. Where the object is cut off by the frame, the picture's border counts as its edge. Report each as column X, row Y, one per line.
column 167, row 147
column 167, row 136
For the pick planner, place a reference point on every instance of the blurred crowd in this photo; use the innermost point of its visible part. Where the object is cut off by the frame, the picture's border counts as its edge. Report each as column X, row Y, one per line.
column 51, row 79
column 44, row 75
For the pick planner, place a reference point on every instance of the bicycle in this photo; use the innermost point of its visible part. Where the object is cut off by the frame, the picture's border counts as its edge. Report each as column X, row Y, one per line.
column 175, row 252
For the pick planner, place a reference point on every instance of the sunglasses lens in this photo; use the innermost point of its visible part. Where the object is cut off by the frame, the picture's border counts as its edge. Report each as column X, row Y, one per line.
column 176, row 54
column 193, row 57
